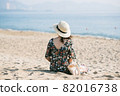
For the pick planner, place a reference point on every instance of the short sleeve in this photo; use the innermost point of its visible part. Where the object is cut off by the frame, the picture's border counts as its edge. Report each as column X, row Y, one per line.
column 71, row 51
column 48, row 51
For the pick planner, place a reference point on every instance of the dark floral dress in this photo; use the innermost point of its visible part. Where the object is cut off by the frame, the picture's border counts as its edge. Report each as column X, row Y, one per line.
column 59, row 57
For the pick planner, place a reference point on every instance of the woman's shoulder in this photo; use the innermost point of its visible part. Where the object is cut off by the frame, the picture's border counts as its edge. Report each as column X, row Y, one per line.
column 69, row 42
column 50, row 43
column 51, row 40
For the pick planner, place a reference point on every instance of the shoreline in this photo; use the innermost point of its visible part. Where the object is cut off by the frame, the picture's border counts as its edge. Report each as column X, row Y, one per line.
column 101, row 37
column 22, row 57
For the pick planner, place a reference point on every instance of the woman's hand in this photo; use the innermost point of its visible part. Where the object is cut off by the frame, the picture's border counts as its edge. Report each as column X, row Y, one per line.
column 70, row 60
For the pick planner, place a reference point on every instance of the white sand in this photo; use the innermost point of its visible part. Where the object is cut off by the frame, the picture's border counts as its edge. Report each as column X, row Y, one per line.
column 22, row 57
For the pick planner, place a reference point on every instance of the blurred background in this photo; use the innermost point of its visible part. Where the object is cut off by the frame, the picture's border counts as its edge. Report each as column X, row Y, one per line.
column 70, row 6
column 86, row 17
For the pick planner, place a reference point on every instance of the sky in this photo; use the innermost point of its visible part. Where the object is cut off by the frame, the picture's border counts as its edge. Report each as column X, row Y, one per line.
column 111, row 2
column 76, row 5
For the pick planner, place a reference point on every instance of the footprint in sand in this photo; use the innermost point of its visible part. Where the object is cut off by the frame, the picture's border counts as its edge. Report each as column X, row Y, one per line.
column 77, row 77
column 39, row 66
column 42, row 74
column 65, row 77
column 14, row 75
column 117, row 72
column 36, row 67
column 109, row 76
column 28, row 69
column 16, row 63
column 18, row 78
column 7, row 79
column 109, row 79
column 11, row 69
column 118, row 76
column 95, row 72
column 5, row 73
column 30, row 74
column 97, row 77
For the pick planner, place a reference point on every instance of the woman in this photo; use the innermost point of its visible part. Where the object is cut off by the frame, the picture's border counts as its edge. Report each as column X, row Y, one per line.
column 60, row 52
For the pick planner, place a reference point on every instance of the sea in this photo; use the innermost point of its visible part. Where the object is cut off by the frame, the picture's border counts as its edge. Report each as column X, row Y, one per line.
column 84, row 25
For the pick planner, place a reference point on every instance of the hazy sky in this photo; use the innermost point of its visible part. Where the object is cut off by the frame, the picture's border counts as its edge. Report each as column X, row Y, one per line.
column 111, row 2
column 82, row 4
column 112, row 6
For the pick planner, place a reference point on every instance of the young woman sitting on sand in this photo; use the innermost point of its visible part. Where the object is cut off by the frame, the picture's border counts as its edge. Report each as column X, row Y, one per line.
column 60, row 52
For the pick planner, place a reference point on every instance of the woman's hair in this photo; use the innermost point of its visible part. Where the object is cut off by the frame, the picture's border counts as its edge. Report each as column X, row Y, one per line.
column 62, row 39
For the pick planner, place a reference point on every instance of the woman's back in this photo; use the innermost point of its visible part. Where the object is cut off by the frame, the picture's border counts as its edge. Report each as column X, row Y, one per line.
column 58, row 44
column 59, row 54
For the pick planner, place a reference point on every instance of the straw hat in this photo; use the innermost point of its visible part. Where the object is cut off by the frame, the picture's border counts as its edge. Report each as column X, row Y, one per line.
column 62, row 29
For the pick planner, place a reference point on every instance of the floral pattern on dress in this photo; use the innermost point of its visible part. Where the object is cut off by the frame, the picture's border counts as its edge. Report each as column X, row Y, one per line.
column 59, row 57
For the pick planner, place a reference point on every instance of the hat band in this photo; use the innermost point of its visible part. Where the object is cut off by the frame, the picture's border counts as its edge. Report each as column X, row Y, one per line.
column 60, row 30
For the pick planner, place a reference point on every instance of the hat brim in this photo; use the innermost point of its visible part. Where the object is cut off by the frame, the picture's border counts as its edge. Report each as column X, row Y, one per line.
column 60, row 33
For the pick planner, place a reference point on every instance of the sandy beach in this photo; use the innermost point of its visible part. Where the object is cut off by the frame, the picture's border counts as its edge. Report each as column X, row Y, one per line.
column 22, row 57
